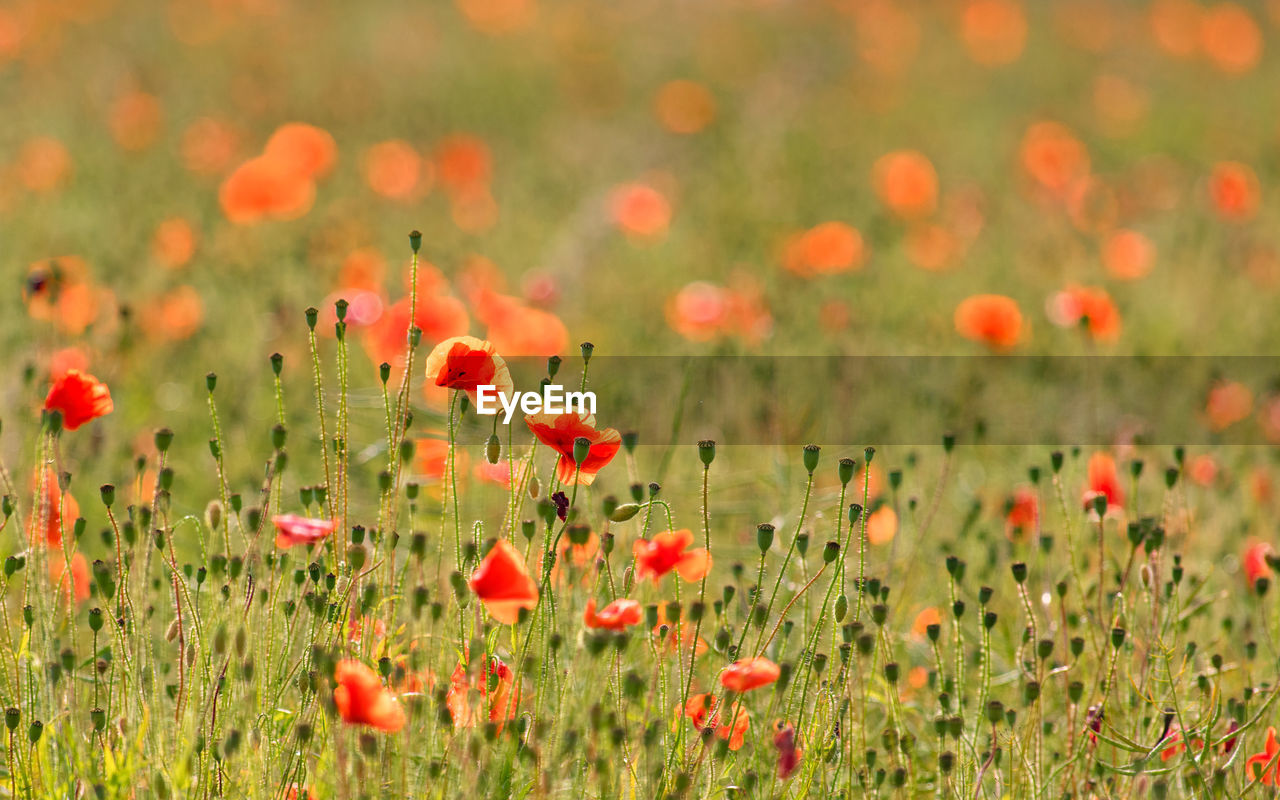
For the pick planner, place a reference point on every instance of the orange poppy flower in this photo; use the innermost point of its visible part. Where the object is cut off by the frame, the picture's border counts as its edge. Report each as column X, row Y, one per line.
column 65, row 360
column 361, row 698
column 698, row 710
column 1128, row 255
column 992, row 319
column 465, row 363
column 175, row 315
column 463, row 163
column 292, row 529
column 749, row 673
column 498, row 17
column 1089, row 306
column 932, row 247
column 303, row 150
column 679, row 637
column 616, row 616
column 502, row 583
column 439, row 316
column 364, row 268
column 1103, row 479
column 431, row 457
column 1255, row 563
column 927, row 616
column 702, row 311
column 209, row 146
column 1230, row 38
column 266, row 188
column 1228, row 403
column 499, row 473
column 824, row 249
column 394, row 170
column 684, row 106
column 994, row 31
column 58, row 290
column 79, row 588
column 43, row 165
column 578, row 556
column 136, row 118
column 1053, row 156
column 1265, row 766
column 558, row 431
column 79, row 397
column 55, row 505
column 906, row 183
column 355, row 630
column 1175, row 25
column 784, row 741
column 497, row 705
column 640, row 211
column 667, row 551
column 1233, row 188
column 882, row 525
column 1021, row 513
column 1202, row 469
column 174, row 242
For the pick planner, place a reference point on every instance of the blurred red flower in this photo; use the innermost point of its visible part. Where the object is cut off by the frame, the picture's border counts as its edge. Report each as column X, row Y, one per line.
column 616, row 616
column 292, row 529
column 992, row 319
column 79, row 398
column 667, row 551
column 361, row 698
column 502, row 583
column 749, row 673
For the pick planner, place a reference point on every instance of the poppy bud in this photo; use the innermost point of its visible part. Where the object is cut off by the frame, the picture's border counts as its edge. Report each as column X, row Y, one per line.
column 706, row 452
column 28, row 615
column 673, row 611
column 527, row 528
column 655, row 489
column 811, row 452
column 1030, row 692
column 764, row 536
column 957, row 608
column 696, row 609
column 802, row 544
column 493, row 449
column 579, row 534
column 842, row 607
column 830, row 551
column 34, row 732
column 11, row 565
column 624, row 512
column 1170, row 477
column 1100, row 505
column 99, row 719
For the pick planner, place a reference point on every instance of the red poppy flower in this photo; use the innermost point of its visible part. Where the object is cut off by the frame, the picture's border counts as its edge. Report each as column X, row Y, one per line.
column 784, row 741
column 906, row 183
column 1228, row 403
column 824, row 249
column 305, row 150
column 1103, row 479
column 1255, row 562
column 667, row 551
column 1021, row 513
column 679, row 637
column 992, row 319
column 1233, row 188
column 79, row 398
column 496, row 705
column 558, row 431
column 616, row 616
column 698, row 710
column 641, row 211
column 502, row 583
column 1174, row 744
column 79, row 588
column 292, row 529
column 465, row 363
column 55, row 506
column 749, row 673
column 1089, row 306
column 265, row 187
column 363, row 700
column 1267, row 762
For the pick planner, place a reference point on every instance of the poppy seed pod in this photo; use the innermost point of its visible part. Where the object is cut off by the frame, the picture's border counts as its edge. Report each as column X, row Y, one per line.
column 415, row 240
column 855, row 513
column 811, row 453
column 1020, row 572
column 587, row 350
column 830, row 551
column 163, row 438
column 764, row 536
column 581, row 450
column 707, row 452
column 845, row 470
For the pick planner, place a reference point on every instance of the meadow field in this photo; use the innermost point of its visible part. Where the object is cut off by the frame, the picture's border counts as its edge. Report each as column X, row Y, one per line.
column 932, row 346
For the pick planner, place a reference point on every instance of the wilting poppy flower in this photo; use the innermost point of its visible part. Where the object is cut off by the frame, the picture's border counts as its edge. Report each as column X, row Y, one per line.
column 824, row 249
column 361, row 698
column 1128, row 255
column 1088, row 306
column 784, row 741
column 1265, row 766
column 640, row 210
column 1233, row 188
column 79, row 588
column 678, row 637
column 558, row 431
column 684, row 106
column 616, row 616
column 464, row 363
column 992, row 319
column 749, row 673
column 698, row 710
column 561, row 501
column 906, row 183
column 1255, row 563
column 1103, row 479
column 667, row 551
column 1053, row 156
column 1228, row 403
column 502, row 583
column 1093, row 722
column 994, row 31
column 1021, row 513
column 79, row 397
column 304, row 150
column 882, row 525
column 292, row 529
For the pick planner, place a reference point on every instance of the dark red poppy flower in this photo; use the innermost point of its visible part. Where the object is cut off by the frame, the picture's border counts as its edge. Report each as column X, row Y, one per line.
column 79, row 398
column 562, row 505
column 616, row 616
column 361, row 699
column 558, row 431
column 292, row 529
column 784, row 741
column 502, row 583
column 1255, row 562
column 667, row 551
column 749, row 673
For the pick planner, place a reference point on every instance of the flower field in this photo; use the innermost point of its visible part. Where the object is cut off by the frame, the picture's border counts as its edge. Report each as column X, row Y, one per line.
column 933, row 404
